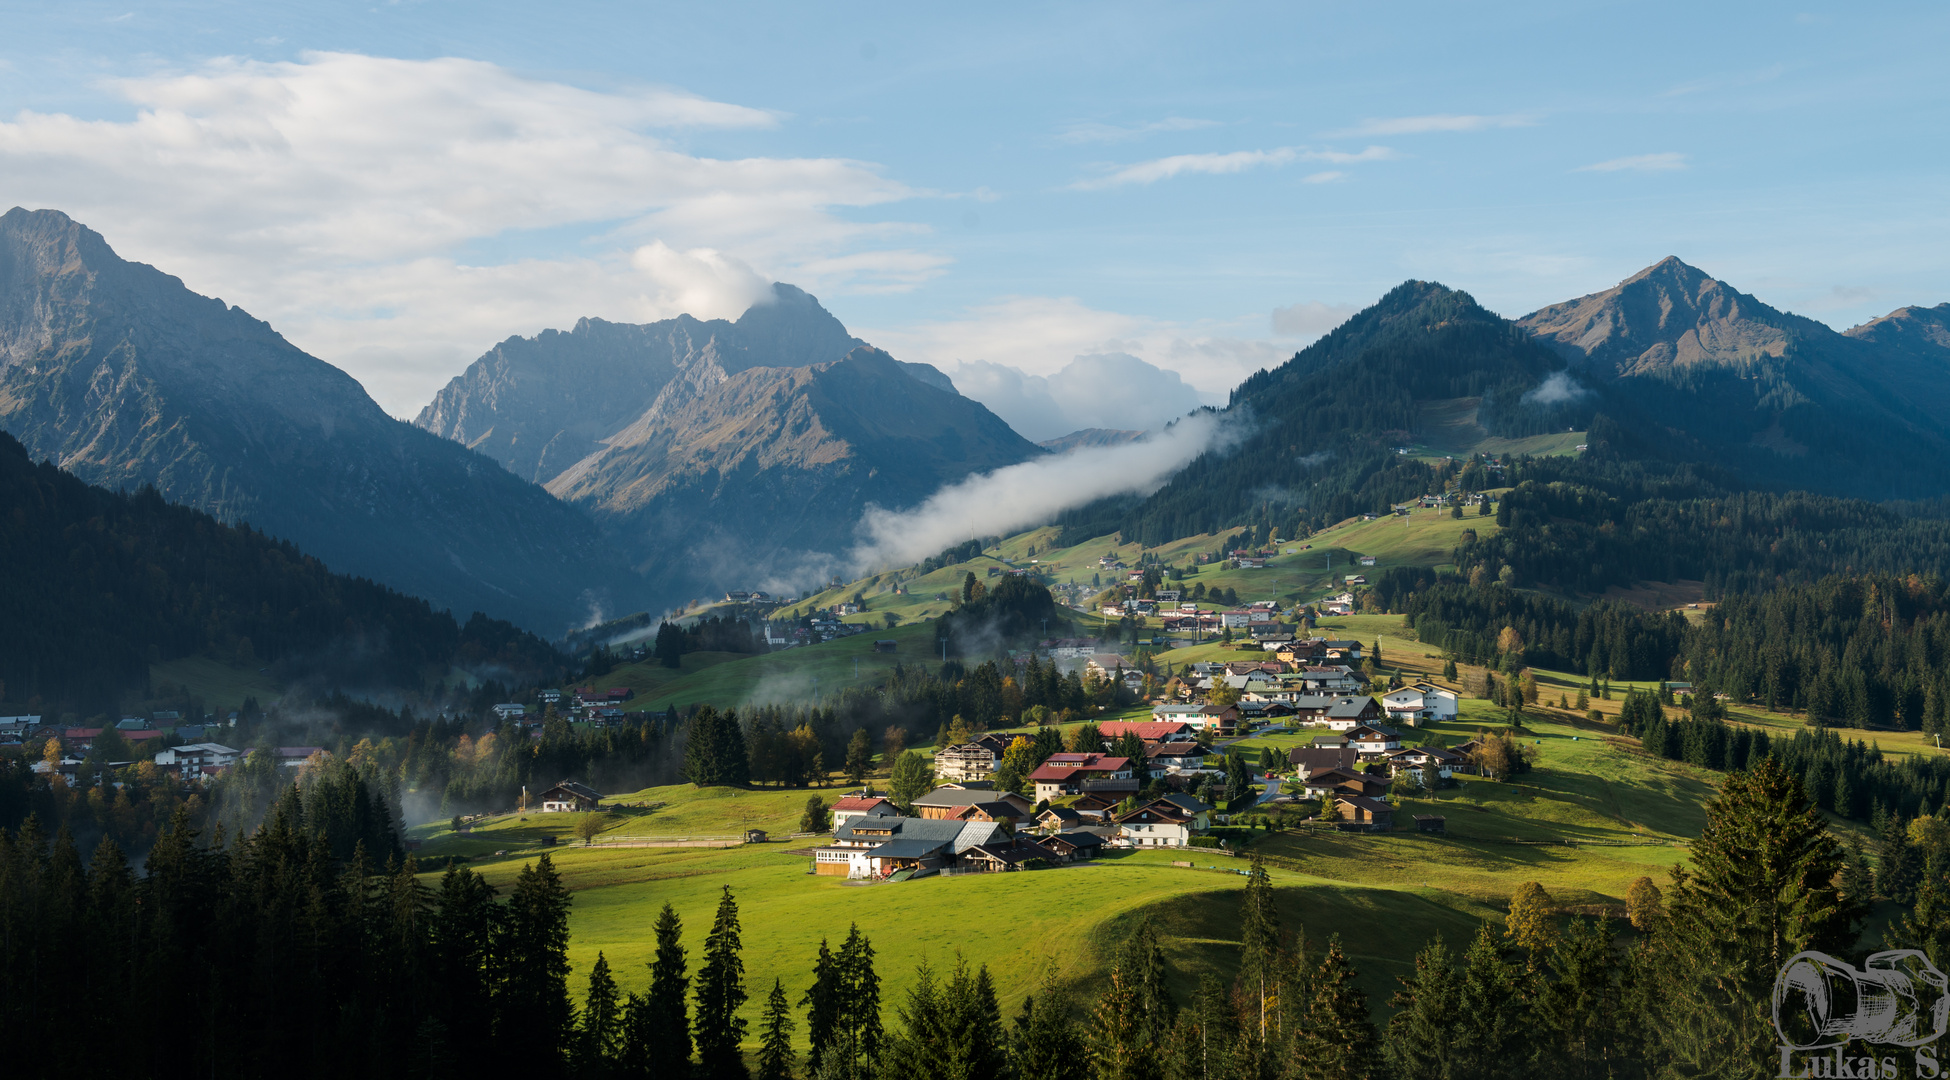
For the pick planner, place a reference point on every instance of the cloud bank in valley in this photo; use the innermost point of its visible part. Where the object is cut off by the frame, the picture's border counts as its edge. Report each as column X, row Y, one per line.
column 1026, row 495
column 1097, row 390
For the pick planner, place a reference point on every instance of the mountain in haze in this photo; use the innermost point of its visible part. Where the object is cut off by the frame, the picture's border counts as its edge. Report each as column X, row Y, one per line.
column 118, row 373
column 1095, row 436
column 719, row 453
column 1783, row 400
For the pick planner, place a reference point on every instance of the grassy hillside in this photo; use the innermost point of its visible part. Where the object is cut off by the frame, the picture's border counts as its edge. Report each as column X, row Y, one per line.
column 1594, row 815
column 1450, row 427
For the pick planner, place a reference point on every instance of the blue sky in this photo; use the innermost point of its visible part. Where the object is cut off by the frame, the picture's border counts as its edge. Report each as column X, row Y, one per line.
column 1203, row 187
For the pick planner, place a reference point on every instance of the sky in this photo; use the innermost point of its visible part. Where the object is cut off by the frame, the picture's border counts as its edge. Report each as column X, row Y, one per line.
column 1075, row 210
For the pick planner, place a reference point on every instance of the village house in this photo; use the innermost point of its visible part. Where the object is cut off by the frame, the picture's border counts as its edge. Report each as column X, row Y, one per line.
column 1372, row 741
column 1071, row 845
column 1329, row 679
column 1177, row 755
column 568, row 796
column 194, row 760
column 1342, row 782
column 1341, row 649
column 946, row 802
column 1369, row 815
column 1337, row 713
column 1419, row 704
column 972, row 760
column 1156, row 730
column 1076, row 774
column 1223, row 719
column 1058, row 818
column 1183, row 715
column 879, row 848
column 1308, row 760
column 1417, row 758
column 1170, row 821
column 865, row 804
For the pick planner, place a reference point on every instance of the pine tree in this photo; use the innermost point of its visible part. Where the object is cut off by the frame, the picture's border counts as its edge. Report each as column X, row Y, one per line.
column 815, row 819
column 657, row 1035
column 843, row 1009
column 1045, row 1043
column 1761, row 888
column 1119, row 1046
column 1204, row 1043
column 1897, row 864
column 599, row 1040
column 822, row 1002
column 1449, row 669
column 859, row 1028
column 1142, row 959
column 1428, row 1011
column 775, row 1055
column 720, row 993
column 1340, row 1041
column 463, row 936
column 1489, row 1038
column 1580, row 1010
column 533, row 1017
column 859, row 756
column 1259, row 939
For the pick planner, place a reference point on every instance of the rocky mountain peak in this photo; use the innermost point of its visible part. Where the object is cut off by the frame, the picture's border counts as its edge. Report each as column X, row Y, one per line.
column 1667, row 316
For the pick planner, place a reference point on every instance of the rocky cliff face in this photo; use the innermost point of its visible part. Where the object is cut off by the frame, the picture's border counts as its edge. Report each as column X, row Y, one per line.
column 777, row 460
column 540, row 404
column 718, row 453
column 120, row 374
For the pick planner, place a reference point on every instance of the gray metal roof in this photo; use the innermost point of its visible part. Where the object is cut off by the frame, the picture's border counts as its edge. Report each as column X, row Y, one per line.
column 908, row 849
column 977, row 832
column 904, row 828
column 955, row 797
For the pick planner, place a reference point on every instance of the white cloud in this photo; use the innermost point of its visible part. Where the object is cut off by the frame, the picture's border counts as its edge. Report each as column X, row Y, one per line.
column 1310, row 318
column 402, row 206
column 1096, row 390
column 1150, row 172
column 1113, row 133
column 1327, row 177
column 1665, row 162
column 1557, row 389
column 1031, row 493
column 1041, row 335
column 1422, row 125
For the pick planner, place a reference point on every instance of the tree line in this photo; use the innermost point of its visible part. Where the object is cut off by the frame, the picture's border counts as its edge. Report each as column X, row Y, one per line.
column 281, row 955
column 103, row 584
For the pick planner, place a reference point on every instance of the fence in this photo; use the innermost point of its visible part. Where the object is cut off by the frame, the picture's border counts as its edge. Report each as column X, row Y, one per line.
column 669, row 841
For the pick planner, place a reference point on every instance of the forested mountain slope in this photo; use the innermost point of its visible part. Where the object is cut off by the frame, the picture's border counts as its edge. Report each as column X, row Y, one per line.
column 1323, row 426
column 99, row 585
column 1684, row 384
column 121, row 375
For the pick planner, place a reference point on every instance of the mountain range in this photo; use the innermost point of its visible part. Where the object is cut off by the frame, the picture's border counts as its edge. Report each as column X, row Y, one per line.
column 119, row 374
column 719, row 452
column 627, row 466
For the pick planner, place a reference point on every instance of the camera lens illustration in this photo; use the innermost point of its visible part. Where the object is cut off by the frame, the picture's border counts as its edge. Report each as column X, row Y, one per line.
column 1898, row 998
